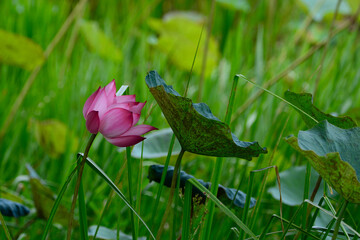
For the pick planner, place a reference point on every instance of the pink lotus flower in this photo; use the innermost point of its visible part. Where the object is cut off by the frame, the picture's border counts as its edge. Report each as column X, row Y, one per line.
column 115, row 116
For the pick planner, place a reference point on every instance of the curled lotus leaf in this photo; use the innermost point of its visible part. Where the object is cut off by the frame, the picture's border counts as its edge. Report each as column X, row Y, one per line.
column 304, row 102
column 226, row 195
column 334, row 153
column 194, row 125
column 10, row 208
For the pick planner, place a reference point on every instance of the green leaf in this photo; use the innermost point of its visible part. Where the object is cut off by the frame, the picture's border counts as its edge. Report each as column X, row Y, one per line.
column 194, row 125
column 156, row 145
column 98, row 42
column 318, row 9
column 292, row 183
column 20, row 51
column 334, row 153
column 179, row 43
column 106, row 233
column 44, row 200
column 53, row 136
column 304, row 102
column 226, row 195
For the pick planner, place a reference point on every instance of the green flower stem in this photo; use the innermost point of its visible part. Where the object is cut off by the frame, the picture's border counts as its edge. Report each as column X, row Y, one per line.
column 172, row 191
column 78, row 181
column 339, row 218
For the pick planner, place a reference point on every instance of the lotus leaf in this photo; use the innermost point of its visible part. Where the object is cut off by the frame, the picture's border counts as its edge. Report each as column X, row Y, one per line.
column 226, row 195
column 334, row 153
column 12, row 209
column 194, row 125
column 304, row 102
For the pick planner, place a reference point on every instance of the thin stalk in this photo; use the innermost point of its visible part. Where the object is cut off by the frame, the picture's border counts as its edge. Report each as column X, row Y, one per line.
column 206, row 48
column 110, row 197
column 316, row 188
column 133, row 223
column 297, row 227
column 134, row 226
column 306, row 196
column 172, row 190
column 332, row 209
column 139, row 187
column 321, row 66
column 163, row 176
column 332, row 215
column 57, row 203
column 339, row 219
column 185, row 234
column 219, row 163
column 309, row 207
column 70, row 47
column 254, row 215
column 3, row 224
column 263, row 184
column 77, row 186
column 24, row 91
column 292, row 220
column 247, row 204
column 312, row 221
column 173, row 230
column 193, row 63
column 282, row 99
column 82, row 213
column 263, row 234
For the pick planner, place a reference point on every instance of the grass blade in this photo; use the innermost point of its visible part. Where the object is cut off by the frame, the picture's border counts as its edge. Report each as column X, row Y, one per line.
column 219, row 163
column 82, row 213
column 6, row 230
column 57, row 203
column 277, row 96
column 133, row 224
column 187, row 211
column 103, row 175
column 163, row 176
column 223, row 208
column 139, row 187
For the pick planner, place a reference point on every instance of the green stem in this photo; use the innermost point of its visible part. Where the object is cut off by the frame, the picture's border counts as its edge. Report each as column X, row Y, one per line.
column 133, row 224
column 139, row 187
column 185, row 233
column 163, row 176
column 219, row 163
column 339, row 218
column 78, row 181
column 6, row 230
column 172, row 191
